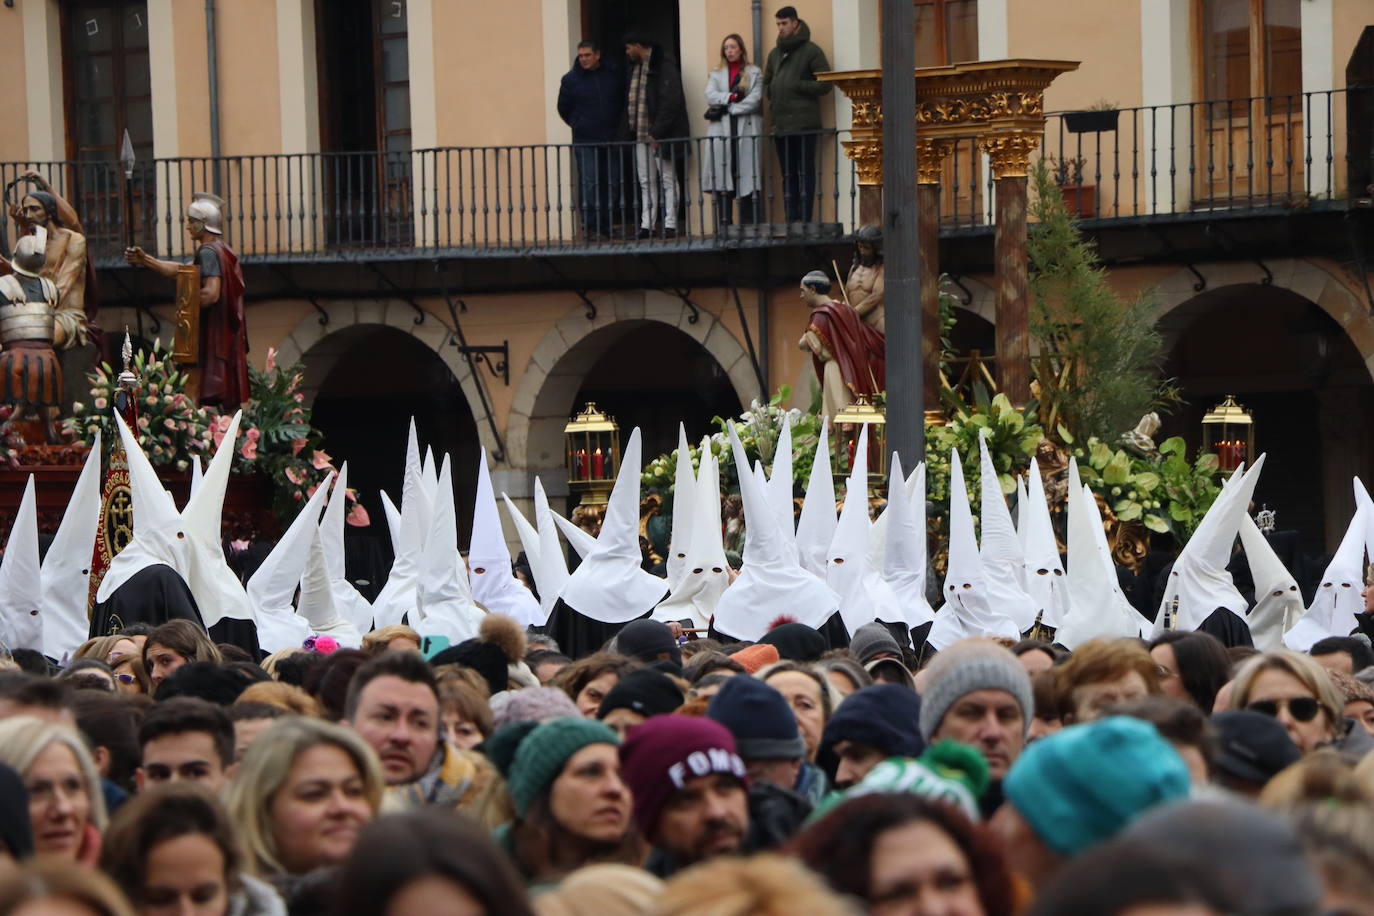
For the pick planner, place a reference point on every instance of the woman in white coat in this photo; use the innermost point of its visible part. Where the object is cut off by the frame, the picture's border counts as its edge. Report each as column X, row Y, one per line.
column 730, row 168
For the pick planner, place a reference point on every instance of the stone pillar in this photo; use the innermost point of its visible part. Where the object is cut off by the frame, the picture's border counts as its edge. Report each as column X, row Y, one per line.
column 1010, row 156
column 930, row 160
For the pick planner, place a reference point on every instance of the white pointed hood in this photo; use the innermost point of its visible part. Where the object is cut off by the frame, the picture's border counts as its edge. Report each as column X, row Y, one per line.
column 1097, row 607
column 611, row 585
column 493, row 583
column 197, row 475
column 904, row 554
column 579, row 539
column 272, row 587
column 706, row 575
column 966, row 611
column 158, row 535
column 443, row 602
column 1004, row 562
column 349, row 603
column 864, row 595
column 21, row 580
column 542, row 549
column 1338, row 598
column 772, row 583
column 780, row 487
column 217, row 590
column 683, row 489
column 1045, row 579
column 816, row 527
column 1199, row 582
column 67, row 565
column 1278, row 601
column 397, row 596
column 393, row 519
column 429, row 473
column 317, row 605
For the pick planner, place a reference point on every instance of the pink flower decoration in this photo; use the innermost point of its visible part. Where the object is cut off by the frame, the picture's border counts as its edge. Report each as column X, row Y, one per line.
column 357, row 516
column 298, row 496
column 249, row 450
column 300, row 398
column 296, row 446
column 312, row 489
column 253, row 434
column 271, row 359
column 238, row 545
column 295, row 475
column 321, row 460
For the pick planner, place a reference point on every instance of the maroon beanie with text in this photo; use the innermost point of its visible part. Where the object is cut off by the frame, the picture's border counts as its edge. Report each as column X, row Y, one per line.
column 662, row 753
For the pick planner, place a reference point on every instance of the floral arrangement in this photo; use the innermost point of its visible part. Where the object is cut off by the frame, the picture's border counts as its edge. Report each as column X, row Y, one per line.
column 173, row 428
column 275, row 436
column 10, row 441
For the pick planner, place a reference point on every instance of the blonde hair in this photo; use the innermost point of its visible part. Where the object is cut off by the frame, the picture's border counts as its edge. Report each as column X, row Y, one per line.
column 265, row 769
column 47, row 880
column 269, row 664
column 377, row 640
column 608, row 889
column 1319, row 777
column 23, row 738
column 283, row 696
column 763, row 885
column 1303, row 667
column 99, row 647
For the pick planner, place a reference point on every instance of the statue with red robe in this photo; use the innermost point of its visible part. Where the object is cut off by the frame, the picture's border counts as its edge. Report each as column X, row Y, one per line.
column 849, row 354
column 220, row 376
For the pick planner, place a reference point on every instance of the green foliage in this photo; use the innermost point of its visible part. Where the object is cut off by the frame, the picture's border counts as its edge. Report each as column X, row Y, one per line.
column 1100, row 353
column 1168, row 494
column 1012, row 437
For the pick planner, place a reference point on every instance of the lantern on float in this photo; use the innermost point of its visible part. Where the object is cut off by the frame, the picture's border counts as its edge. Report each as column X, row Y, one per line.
column 844, row 441
column 1228, row 431
column 592, row 440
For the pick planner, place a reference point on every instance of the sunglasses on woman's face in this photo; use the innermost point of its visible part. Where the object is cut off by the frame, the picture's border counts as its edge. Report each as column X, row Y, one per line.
column 1303, row 709
column 124, row 678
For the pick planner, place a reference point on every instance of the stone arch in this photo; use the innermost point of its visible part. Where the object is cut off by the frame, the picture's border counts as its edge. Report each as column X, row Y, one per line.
column 348, row 317
column 1179, row 299
column 544, row 396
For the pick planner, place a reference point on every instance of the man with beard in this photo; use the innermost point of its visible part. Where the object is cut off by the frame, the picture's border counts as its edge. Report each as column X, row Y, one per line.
column 690, row 790
column 65, row 256
column 864, row 286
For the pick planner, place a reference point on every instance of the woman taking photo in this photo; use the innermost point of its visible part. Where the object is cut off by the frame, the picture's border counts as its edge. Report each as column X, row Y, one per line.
column 173, row 644
column 173, row 850
column 571, row 806
column 730, row 168
column 303, row 792
column 66, row 805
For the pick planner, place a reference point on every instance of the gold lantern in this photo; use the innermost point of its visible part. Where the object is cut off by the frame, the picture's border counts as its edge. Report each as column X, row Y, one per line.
column 593, row 444
column 844, row 441
column 1228, row 431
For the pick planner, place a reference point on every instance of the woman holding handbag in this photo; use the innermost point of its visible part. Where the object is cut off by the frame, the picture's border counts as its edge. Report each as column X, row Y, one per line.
column 730, row 169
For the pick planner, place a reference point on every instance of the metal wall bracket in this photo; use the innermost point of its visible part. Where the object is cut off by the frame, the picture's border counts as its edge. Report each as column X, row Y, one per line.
column 297, row 291
column 1201, row 283
column 400, row 293
column 486, row 356
column 473, row 355
column 682, row 294
column 958, row 281
column 1214, row 231
column 573, row 288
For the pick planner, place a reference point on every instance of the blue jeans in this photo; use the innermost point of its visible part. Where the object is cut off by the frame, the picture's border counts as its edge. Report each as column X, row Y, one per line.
column 599, row 185
column 797, row 153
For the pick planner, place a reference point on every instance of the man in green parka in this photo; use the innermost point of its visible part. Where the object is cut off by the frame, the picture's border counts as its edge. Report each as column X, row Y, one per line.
column 794, row 97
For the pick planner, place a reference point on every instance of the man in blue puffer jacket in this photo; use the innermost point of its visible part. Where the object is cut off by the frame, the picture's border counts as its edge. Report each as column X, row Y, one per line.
column 591, row 100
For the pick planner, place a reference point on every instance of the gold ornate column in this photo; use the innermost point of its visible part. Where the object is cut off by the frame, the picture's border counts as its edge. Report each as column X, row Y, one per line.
column 1009, row 152
column 864, row 89
column 931, row 154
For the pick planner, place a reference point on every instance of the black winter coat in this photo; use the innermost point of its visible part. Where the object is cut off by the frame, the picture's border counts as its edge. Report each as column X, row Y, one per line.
column 592, row 102
column 666, row 103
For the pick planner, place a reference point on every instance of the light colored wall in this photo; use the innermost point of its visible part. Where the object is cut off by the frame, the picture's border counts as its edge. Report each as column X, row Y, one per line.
column 487, row 96
column 1104, row 36
column 250, row 97
column 31, row 40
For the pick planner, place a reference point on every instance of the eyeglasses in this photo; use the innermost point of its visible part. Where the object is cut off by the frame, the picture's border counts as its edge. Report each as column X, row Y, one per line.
column 1303, row 709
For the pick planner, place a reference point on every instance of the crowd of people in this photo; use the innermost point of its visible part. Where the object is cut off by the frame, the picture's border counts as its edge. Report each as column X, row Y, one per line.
column 158, row 772
column 639, row 115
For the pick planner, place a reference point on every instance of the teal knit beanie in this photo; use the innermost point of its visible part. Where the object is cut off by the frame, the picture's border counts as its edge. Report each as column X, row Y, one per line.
column 1082, row 785
column 543, row 752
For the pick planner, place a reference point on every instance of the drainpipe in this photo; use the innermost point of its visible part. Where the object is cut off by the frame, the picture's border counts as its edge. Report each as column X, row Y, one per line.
column 757, row 7
column 212, row 64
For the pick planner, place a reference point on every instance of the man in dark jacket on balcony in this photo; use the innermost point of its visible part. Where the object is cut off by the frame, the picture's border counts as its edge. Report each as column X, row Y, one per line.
column 656, row 119
column 591, row 100
column 794, row 99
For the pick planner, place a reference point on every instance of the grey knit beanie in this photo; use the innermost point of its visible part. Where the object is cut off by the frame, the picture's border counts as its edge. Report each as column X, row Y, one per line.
column 873, row 639
column 973, row 664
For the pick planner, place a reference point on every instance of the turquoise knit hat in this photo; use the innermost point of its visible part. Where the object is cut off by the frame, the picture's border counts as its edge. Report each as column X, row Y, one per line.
column 1082, row 785
column 543, row 752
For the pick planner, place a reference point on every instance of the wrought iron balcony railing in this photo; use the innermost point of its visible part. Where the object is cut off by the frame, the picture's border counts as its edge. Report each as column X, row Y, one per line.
column 1165, row 162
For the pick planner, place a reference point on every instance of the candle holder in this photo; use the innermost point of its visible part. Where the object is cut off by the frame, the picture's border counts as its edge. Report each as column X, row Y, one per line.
column 844, row 440
column 592, row 440
column 1228, row 431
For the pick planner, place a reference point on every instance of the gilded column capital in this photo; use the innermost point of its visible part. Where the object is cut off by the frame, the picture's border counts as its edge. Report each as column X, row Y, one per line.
column 1009, row 152
column 930, row 158
column 868, row 160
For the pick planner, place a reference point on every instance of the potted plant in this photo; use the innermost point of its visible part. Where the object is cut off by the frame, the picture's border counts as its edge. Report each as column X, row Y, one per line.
column 1079, row 197
column 1096, row 118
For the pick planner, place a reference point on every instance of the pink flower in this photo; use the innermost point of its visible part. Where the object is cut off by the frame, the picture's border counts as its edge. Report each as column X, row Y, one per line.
column 297, row 496
column 358, row 516
column 238, row 546
column 271, row 359
column 253, row 434
column 312, row 489
column 219, row 427
column 249, row 450
column 321, row 460
column 295, row 475
column 152, row 400
column 169, row 423
column 296, row 446
column 300, row 398
column 101, row 403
